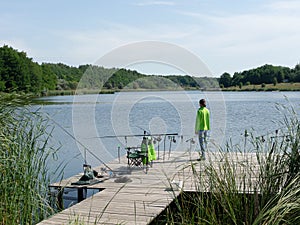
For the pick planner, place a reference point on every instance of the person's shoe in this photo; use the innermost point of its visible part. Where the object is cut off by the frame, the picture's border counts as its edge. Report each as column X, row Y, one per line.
column 199, row 159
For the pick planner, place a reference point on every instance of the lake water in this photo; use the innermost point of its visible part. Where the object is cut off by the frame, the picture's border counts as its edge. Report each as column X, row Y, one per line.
column 102, row 123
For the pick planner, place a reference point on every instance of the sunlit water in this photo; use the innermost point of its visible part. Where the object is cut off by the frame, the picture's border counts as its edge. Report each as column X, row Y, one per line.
column 102, row 123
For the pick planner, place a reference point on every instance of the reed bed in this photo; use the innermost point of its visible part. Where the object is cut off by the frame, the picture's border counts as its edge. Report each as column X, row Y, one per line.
column 24, row 150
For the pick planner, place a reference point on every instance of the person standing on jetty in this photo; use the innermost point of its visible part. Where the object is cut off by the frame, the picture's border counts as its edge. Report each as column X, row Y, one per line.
column 202, row 126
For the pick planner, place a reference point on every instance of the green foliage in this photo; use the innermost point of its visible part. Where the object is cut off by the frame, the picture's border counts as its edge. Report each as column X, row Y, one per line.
column 225, row 80
column 240, row 85
column 65, row 77
column 184, row 81
column 128, row 79
column 206, row 83
column 295, row 75
column 156, row 82
column 18, row 73
column 24, row 150
column 94, row 77
column 275, row 81
column 122, row 78
column 264, row 74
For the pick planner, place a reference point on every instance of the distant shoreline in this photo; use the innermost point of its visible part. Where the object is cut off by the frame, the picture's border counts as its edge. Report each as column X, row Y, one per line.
column 267, row 87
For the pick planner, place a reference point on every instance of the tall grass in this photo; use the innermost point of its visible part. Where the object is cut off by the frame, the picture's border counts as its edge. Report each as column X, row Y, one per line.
column 258, row 185
column 24, row 150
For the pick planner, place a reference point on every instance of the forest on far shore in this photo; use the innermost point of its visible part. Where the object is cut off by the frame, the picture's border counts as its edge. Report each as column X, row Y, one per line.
column 19, row 73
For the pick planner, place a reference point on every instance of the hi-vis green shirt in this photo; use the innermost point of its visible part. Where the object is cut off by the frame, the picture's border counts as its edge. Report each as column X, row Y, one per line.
column 202, row 119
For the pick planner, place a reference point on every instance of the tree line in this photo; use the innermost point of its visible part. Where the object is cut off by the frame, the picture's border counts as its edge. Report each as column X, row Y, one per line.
column 19, row 73
column 266, row 74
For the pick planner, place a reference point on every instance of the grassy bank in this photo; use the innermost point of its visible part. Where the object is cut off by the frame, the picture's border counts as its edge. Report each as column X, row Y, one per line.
column 24, row 150
column 266, row 87
column 110, row 91
column 73, row 92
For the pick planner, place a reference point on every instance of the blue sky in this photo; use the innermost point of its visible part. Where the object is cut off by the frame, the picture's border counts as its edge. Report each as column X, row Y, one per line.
column 228, row 36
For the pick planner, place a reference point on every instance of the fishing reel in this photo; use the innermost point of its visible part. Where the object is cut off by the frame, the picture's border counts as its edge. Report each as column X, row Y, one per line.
column 172, row 139
column 191, row 140
column 157, row 139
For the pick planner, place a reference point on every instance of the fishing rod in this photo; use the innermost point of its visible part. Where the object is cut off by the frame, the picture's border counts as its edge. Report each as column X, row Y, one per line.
column 82, row 145
column 138, row 135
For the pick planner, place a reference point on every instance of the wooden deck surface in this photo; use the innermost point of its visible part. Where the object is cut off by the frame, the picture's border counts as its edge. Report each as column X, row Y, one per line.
column 133, row 196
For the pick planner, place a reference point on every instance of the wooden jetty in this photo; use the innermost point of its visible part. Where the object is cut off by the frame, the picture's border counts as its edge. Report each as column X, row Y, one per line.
column 133, row 196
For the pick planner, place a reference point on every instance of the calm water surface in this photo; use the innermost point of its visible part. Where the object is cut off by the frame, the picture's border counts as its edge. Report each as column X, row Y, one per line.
column 102, row 123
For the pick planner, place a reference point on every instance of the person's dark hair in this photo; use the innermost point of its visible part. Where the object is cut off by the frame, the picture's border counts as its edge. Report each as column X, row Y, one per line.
column 202, row 102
